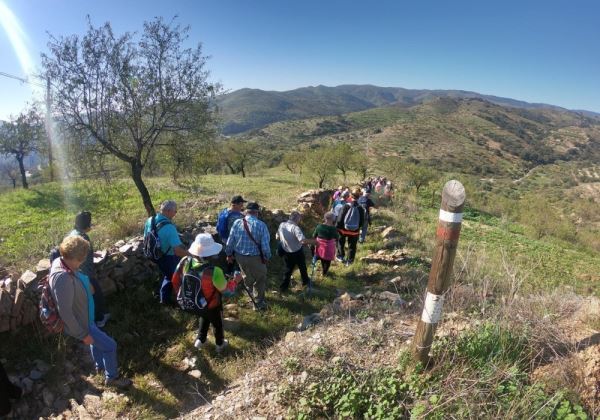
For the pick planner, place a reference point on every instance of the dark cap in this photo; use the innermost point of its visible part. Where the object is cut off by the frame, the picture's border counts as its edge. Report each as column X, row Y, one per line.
column 253, row 206
column 237, row 199
column 83, row 220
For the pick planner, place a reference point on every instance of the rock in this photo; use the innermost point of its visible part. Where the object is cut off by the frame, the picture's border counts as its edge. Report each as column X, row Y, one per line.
column 28, row 280
column 83, row 413
column 389, row 233
column 190, row 362
column 309, row 321
column 392, row 297
column 60, row 405
column 6, row 304
column 26, row 385
column 126, row 249
column 16, row 315
column 47, row 397
column 195, row 373
column 35, row 375
column 42, row 366
column 120, row 243
column 290, row 336
column 336, row 360
column 43, row 267
column 231, row 324
column 92, row 402
column 100, row 256
column 108, row 285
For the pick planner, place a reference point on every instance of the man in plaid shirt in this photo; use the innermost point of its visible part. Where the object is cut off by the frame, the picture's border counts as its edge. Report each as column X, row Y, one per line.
column 249, row 241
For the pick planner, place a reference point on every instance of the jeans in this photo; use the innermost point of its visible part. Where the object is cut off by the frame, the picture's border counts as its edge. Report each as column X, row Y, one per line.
column 167, row 265
column 212, row 316
column 363, row 231
column 104, row 352
column 352, row 241
column 293, row 259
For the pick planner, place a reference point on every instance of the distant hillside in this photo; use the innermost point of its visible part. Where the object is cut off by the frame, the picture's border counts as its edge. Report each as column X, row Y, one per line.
column 466, row 135
column 247, row 109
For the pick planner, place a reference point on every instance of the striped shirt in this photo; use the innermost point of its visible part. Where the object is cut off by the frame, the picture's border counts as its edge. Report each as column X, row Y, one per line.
column 240, row 243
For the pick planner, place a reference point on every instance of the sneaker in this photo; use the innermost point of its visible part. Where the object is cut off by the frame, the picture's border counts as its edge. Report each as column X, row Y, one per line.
column 340, row 259
column 222, row 346
column 260, row 306
column 103, row 321
column 119, row 382
column 198, row 344
column 349, row 263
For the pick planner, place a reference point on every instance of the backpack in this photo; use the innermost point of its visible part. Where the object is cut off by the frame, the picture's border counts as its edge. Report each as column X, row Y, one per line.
column 222, row 224
column 54, row 254
column 190, row 296
column 48, row 312
column 352, row 218
column 152, row 245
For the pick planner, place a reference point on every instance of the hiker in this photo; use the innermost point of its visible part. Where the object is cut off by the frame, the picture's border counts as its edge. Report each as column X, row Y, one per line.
column 338, row 192
column 229, row 215
column 170, row 245
column 291, row 242
column 366, row 203
column 8, row 391
column 83, row 224
column 338, row 204
column 349, row 223
column 327, row 236
column 72, row 292
column 248, row 244
column 388, row 191
column 201, row 265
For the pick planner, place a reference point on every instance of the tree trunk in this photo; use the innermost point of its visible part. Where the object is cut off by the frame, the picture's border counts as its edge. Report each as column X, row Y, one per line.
column 136, row 174
column 23, row 174
column 14, row 181
column 242, row 170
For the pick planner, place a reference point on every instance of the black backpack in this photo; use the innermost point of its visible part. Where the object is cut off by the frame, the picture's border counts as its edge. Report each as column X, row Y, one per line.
column 190, row 296
column 152, row 245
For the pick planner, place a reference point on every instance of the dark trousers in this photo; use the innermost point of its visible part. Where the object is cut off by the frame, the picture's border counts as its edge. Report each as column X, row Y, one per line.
column 325, row 264
column 99, row 304
column 341, row 245
column 167, row 265
column 8, row 391
column 293, row 259
column 212, row 316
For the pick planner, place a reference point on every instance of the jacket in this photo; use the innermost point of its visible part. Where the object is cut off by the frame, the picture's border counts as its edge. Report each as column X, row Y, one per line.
column 71, row 300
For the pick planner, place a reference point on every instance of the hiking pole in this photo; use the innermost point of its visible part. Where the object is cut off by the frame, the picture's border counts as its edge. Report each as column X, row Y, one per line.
column 230, row 276
column 448, row 231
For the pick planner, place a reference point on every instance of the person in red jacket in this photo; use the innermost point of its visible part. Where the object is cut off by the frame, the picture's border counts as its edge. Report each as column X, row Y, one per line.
column 201, row 264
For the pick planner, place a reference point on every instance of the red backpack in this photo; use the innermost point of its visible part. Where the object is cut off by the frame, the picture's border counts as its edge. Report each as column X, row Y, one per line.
column 48, row 311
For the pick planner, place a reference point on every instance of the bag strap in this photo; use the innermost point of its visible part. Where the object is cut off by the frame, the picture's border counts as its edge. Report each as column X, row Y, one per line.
column 252, row 237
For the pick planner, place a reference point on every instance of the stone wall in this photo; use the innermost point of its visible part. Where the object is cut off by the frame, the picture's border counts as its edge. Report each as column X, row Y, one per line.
column 124, row 265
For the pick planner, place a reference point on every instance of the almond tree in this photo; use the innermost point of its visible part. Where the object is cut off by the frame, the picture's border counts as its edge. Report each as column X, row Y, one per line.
column 129, row 91
column 22, row 136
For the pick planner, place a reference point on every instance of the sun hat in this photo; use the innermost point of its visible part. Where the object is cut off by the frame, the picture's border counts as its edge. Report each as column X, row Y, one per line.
column 205, row 246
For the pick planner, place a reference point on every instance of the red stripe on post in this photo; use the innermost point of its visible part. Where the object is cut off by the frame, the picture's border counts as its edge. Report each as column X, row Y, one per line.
column 447, row 234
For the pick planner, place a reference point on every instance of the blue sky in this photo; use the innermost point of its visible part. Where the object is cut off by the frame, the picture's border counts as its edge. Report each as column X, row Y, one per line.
column 538, row 51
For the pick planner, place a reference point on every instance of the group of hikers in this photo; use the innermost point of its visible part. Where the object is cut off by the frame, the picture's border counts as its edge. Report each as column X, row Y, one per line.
column 191, row 278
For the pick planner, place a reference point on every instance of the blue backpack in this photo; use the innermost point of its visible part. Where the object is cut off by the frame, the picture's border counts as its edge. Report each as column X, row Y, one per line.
column 223, row 222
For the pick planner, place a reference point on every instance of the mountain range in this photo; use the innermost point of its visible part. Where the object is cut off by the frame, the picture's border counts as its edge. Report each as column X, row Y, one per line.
column 247, row 109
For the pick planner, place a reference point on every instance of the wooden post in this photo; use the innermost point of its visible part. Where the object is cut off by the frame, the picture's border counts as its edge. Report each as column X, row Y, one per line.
column 448, row 231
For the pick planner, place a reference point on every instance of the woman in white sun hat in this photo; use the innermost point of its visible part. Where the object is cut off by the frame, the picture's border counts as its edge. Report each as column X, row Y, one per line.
column 199, row 285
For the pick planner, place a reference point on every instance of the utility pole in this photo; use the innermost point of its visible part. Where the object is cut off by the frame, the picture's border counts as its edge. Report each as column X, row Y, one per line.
column 448, row 231
column 49, row 126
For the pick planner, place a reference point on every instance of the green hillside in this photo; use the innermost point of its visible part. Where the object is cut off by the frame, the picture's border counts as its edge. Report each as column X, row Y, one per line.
column 247, row 109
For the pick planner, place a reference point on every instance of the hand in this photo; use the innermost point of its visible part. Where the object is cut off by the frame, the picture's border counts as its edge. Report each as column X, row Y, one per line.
column 230, row 259
column 88, row 340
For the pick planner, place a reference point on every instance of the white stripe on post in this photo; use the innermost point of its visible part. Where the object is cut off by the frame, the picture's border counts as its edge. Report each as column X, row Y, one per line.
column 432, row 310
column 446, row 216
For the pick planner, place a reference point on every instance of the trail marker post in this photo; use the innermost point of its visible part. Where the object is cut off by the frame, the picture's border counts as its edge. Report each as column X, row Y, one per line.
column 448, row 231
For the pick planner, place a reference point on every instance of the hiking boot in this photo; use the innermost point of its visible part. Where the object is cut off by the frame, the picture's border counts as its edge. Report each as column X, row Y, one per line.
column 198, row 344
column 103, row 321
column 222, row 346
column 119, row 382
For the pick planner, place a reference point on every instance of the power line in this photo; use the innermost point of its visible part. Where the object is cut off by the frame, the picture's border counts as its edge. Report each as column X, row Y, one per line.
column 21, row 79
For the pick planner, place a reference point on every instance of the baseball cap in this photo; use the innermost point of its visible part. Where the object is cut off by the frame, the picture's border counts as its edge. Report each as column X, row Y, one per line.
column 237, row 199
column 253, row 206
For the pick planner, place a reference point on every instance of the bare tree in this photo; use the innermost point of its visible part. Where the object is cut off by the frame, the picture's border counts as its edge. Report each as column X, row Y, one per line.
column 10, row 169
column 239, row 154
column 22, row 136
column 128, row 91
